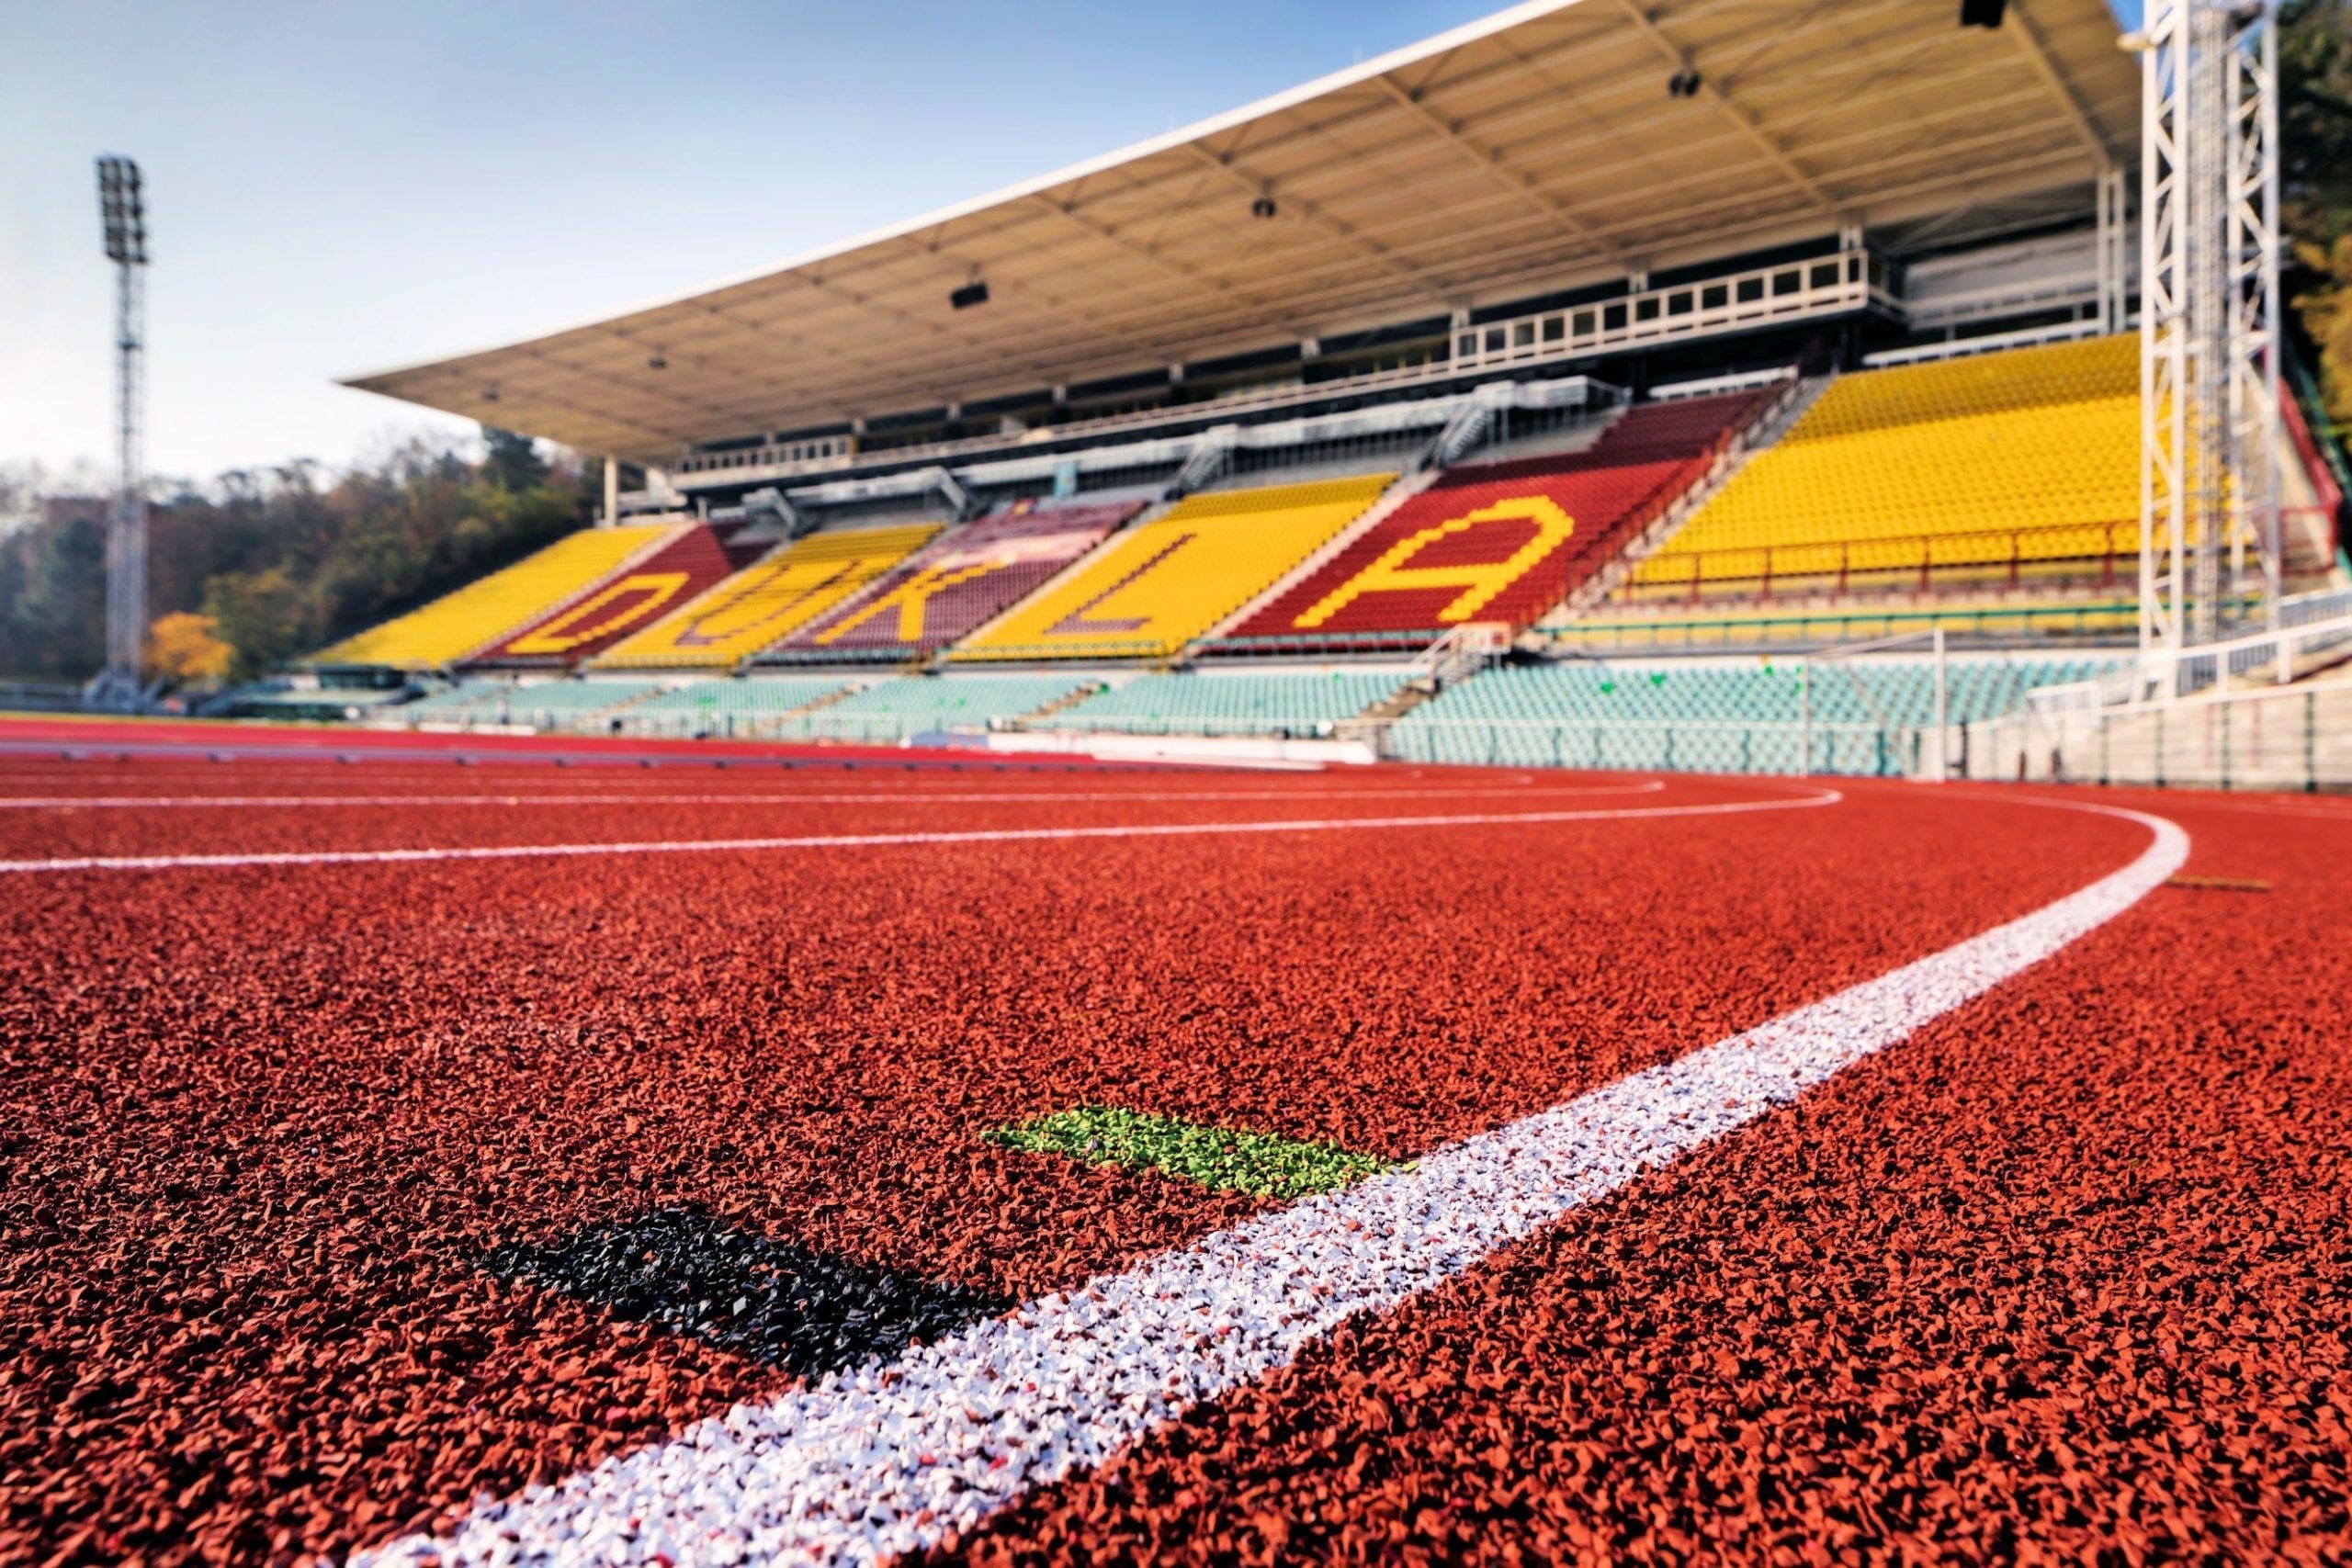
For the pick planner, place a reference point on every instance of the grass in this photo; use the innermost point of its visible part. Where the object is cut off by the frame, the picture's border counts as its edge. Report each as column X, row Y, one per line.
column 1223, row 1158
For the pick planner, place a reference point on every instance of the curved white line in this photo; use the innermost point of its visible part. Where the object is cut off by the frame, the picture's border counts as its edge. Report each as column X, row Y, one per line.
column 871, row 840
column 881, row 1461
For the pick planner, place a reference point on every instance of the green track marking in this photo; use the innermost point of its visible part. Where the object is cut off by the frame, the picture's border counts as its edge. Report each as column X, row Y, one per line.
column 1224, row 1159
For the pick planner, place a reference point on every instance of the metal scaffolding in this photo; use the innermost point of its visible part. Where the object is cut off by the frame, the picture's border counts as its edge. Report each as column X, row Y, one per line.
column 2209, row 365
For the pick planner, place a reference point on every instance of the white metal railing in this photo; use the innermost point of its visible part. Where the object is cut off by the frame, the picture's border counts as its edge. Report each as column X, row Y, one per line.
column 1990, row 343
column 1460, row 653
column 1833, row 284
column 1216, row 725
column 1739, row 381
column 2193, row 670
column 2308, row 624
column 1713, row 746
column 813, row 450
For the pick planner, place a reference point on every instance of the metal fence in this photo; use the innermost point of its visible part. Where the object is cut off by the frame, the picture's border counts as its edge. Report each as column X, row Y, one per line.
column 39, row 696
column 1699, row 746
column 2289, row 737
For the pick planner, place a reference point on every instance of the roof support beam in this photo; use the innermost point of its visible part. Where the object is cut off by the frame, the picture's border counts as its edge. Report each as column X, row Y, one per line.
column 1346, row 233
column 962, row 266
column 2037, row 54
column 1519, row 185
column 1773, row 152
column 1068, row 213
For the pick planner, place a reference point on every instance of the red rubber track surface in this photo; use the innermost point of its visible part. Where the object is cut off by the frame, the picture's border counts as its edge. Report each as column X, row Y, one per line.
column 2065, row 1268
column 78, row 738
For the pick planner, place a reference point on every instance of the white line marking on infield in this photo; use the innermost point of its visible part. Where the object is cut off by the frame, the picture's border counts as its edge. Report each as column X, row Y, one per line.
column 885, row 1461
column 876, row 798
column 873, row 840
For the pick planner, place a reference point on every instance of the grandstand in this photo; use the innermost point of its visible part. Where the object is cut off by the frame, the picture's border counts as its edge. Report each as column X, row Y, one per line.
column 770, row 599
column 1396, row 368
column 483, row 612
column 1154, row 588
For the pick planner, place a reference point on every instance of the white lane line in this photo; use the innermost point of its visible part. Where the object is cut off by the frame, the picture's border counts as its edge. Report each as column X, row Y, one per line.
column 889, row 1461
column 887, row 797
column 869, row 840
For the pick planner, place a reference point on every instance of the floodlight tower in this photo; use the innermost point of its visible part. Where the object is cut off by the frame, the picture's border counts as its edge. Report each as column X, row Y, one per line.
column 2209, row 320
column 123, row 208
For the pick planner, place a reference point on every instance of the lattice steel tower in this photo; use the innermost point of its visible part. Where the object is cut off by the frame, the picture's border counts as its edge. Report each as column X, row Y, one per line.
column 2209, row 323
column 122, row 207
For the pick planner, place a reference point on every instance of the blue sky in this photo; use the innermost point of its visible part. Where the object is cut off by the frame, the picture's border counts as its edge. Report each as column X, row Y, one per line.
column 340, row 187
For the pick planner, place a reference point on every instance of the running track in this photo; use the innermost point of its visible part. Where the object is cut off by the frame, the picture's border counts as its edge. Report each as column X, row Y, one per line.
column 2061, row 1270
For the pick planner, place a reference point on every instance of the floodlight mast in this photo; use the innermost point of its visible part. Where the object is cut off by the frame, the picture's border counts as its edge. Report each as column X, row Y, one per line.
column 2209, row 334
column 123, row 213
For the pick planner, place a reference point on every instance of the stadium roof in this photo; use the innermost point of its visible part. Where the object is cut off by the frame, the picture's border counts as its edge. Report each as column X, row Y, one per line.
column 1537, row 149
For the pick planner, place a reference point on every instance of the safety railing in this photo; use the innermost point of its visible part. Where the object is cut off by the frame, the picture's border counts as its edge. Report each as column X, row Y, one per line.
column 1188, row 723
column 1985, row 343
column 2306, row 628
column 1696, row 745
column 1832, row 285
column 2268, row 655
column 2280, row 737
column 2107, row 554
column 39, row 696
column 2104, row 619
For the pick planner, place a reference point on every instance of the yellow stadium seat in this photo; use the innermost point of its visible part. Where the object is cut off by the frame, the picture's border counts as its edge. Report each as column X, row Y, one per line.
column 771, row 598
column 490, row 607
column 2027, row 455
column 1146, row 593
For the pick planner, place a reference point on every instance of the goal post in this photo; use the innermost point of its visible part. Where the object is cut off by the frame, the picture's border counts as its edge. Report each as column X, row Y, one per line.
column 1858, row 681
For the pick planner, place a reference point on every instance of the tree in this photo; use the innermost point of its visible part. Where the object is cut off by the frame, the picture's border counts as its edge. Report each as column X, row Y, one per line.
column 2315, row 177
column 60, row 619
column 511, row 460
column 182, row 649
column 260, row 616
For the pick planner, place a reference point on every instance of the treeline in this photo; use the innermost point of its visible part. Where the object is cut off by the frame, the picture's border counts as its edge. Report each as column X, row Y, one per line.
column 273, row 565
column 2315, row 148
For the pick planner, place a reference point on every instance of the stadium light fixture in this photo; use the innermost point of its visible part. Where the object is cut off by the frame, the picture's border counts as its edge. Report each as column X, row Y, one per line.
column 973, row 293
column 1982, row 13
column 1263, row 207
column 657, row 360
column 123, row 209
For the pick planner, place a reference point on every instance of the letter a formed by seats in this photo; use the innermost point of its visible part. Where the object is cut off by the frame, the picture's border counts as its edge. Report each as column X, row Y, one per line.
column 1480, row 581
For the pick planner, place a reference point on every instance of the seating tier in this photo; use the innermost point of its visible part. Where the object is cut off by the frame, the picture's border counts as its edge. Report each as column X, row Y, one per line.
column 595, row 621
column 770, row 599
column 1152, row 589
column 1503, row 542
column 956, row 583
column 487, row 608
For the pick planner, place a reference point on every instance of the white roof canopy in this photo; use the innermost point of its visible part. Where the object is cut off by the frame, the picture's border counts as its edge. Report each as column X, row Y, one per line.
column 1537, row 149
